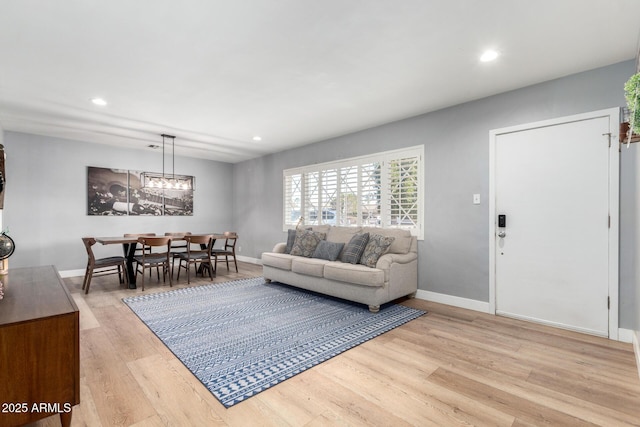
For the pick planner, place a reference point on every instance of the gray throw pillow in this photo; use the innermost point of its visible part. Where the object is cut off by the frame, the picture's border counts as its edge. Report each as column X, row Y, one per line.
column 328, row 250
column 306, row 242
column 291, row 238
column 355, row 247
column 376, row 247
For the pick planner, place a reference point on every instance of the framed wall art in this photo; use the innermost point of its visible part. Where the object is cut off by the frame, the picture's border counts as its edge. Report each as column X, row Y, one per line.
column 116, row 192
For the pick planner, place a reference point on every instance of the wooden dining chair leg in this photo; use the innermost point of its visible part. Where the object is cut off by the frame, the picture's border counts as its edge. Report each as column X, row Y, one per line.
column 86, row 289
column 86, row 275
column 87, row 279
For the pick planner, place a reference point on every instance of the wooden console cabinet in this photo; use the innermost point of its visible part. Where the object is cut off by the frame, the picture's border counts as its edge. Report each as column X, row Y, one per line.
column 39, row 347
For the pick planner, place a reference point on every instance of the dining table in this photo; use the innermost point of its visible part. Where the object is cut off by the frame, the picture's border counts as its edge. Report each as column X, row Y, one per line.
column 130, row 243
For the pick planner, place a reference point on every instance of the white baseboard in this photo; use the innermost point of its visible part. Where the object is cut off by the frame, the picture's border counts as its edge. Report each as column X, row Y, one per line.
column 469, row 304
column 80, row 273
column 71, row 273
column 249, row 259
column 625, row 335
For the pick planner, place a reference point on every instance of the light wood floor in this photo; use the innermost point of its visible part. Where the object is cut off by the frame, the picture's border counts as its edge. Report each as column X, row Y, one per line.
column 450, row 367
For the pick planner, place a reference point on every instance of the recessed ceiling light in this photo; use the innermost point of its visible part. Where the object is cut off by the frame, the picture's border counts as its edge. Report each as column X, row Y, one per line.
column 489, row 56
column 99, row 101
column 257, row 138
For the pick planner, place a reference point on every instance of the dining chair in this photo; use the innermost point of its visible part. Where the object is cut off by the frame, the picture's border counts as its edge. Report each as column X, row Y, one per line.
column 102, row 266
column 140, row 249
column 177, row 246
column 228, row 250
column 150, row 259
column 198, row 252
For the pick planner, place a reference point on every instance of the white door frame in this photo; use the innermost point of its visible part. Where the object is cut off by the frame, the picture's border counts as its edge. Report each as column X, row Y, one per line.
column 614, row 204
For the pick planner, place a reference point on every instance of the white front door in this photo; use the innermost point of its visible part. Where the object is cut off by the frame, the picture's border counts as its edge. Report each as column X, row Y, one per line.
column 552, row 183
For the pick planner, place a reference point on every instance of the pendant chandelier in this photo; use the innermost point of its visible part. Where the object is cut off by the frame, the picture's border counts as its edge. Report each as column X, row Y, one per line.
column 167, row 181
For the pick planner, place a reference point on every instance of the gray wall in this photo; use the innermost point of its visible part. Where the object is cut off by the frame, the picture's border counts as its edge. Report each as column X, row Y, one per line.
column 46, row 198
column 454, row 256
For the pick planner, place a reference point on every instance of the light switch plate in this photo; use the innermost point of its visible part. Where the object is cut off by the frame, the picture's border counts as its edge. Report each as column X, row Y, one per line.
column 476, row 199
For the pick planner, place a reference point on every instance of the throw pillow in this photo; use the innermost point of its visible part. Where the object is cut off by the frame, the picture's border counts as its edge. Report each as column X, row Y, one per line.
column 328, row 250
column 306, row 242
column 355, row 247
column 376, row 247
column 291, row 238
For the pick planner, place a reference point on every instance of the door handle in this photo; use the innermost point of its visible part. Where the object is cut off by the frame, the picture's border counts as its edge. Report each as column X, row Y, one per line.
column 502, row 234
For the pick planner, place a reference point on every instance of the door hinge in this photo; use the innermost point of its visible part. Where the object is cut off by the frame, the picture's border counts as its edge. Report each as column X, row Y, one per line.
column 608, row 303
column 609, row 221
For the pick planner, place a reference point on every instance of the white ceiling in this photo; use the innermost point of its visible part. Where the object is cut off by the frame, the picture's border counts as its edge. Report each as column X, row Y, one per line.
column 216, row 73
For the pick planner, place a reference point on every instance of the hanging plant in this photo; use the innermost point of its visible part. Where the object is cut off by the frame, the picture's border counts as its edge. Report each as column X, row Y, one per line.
column 632, row 94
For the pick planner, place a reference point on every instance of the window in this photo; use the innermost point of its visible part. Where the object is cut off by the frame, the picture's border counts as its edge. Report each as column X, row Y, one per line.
column 380, row 190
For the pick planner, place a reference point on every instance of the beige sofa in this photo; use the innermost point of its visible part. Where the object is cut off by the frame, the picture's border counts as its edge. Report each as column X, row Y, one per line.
column 395, row 274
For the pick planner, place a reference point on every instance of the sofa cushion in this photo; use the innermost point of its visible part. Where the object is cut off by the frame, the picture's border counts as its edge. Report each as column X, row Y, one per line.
column 324, row 228
column 328, row 250
column 359, row 274
column 353, row 251
column 376, row 247
column 309, row 266
column 341, row 234
column 402, row 242
column 281, row 261
column 306, row 242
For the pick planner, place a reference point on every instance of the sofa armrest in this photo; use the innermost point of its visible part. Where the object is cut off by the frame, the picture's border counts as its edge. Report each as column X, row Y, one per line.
column 400, row 272
column 385, row 261
column 279, row 248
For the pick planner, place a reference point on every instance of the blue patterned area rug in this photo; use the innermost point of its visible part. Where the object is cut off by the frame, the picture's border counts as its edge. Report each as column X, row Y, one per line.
column 242, row 337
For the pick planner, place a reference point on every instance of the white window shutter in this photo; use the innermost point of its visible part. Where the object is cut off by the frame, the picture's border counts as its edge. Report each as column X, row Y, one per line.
column 379, row 190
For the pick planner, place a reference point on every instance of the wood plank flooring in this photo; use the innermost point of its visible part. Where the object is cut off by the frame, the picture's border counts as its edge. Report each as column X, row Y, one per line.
column 450, row 367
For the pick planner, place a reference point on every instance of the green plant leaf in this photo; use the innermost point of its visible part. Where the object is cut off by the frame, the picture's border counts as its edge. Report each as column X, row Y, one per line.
column 632, row 95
